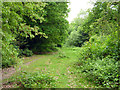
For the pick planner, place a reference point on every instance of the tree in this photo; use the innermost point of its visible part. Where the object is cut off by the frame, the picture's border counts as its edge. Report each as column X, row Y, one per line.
column 55, row 27
column 31, row 25
column 77, row 33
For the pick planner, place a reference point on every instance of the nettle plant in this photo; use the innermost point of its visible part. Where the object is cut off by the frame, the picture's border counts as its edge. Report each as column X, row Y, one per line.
column 33, row 80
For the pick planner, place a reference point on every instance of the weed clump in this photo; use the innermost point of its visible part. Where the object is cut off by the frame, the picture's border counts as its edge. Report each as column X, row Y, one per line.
column 62, row 55
column 33, row 80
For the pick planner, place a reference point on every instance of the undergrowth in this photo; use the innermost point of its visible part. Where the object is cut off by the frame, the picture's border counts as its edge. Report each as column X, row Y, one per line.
column 33, row 80
column 98, row 60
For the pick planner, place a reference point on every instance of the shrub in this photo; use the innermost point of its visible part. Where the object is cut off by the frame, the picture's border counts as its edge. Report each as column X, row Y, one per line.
column 100, row 46
column 62, row 55
column 76, row 38
column 8, row 52
column 34, row 80
column 99, row 60
column 26, row 52
column 73, row 39
column 104, row 72
column 20, row 52
column 9, row 55
column 38, row 48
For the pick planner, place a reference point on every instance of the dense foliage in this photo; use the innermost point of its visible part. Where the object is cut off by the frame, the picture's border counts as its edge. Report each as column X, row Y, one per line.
column 99, row 56
column 77, row 33
column 98, row 60
column 55, row 27
column 33, row 80
column 31, row 27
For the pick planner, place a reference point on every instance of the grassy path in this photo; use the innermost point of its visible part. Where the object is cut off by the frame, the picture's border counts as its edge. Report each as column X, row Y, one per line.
column 60, row 66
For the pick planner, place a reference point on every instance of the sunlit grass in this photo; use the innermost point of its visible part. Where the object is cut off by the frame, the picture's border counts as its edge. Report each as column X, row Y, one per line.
column 60, row 66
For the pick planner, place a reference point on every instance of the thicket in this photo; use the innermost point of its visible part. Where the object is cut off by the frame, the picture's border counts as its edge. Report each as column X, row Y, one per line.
column 99, row 60
column 33, row 80
column 99, row 56
column 31, row 27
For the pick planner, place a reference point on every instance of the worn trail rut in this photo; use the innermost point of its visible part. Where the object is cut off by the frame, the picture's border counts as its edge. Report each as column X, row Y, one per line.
column 7, row 72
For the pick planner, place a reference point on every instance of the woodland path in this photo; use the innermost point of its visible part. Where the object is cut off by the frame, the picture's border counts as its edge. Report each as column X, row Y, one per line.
column 59, row 65
column 7, row 72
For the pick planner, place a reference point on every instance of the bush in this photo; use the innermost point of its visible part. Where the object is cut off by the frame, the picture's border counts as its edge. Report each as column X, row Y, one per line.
column 33, row 80
column 25, row 52
column 104, row 72
column 62, row 55
column 100, row 46
column 99, row 60
column 73, row 39
column 38, row 48
column 9, row 55
column 8, row 52
column 76, row 38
